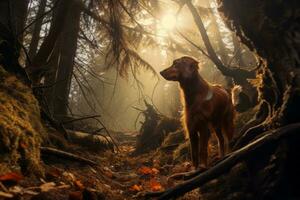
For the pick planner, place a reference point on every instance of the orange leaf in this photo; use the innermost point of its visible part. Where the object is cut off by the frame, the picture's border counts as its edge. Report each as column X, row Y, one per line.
column 155, row 185
column 136, row 188
column 145, row 170
column 79, row 185
column 11, row 177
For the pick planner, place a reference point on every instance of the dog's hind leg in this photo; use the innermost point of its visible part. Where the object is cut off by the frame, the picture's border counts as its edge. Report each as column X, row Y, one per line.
column 221, row 140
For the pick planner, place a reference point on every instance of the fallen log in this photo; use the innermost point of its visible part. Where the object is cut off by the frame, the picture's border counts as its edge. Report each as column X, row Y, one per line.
column 269, row 137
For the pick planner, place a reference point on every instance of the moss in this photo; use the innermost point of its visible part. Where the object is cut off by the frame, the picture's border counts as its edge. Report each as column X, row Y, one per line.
column 21, row 131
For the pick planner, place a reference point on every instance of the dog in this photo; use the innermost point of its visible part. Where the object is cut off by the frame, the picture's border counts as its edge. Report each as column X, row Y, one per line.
column 207, row 108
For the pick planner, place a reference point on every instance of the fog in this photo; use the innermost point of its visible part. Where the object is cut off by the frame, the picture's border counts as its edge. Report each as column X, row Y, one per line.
column 119, row 98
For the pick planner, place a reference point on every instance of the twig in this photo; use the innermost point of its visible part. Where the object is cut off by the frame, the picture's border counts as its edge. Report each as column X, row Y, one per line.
column 67, row 155
column 108, row 133
column 6, row 195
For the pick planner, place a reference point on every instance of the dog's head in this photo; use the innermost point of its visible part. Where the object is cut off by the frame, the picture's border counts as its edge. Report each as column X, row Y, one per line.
column 183, row 68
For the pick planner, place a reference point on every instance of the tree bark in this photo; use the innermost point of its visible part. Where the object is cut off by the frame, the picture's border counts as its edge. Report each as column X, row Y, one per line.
column 265, row 29
column 12, row 21
column 36, row 31
column 42, row 57
column 65, row 69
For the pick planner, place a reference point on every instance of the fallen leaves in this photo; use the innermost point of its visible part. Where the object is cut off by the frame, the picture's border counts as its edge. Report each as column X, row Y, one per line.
column 155, row 185
column 11, row 177
column 18, row 190
column 148, row 171
column 79, row 185
column 136, row 188
column 149, row 180
column 47, row 186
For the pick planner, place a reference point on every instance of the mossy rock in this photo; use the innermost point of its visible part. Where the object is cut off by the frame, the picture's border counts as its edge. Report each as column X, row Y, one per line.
column 21, row 130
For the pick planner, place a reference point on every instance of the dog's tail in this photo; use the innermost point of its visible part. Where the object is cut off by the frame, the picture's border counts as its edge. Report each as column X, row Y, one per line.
column 235, row 92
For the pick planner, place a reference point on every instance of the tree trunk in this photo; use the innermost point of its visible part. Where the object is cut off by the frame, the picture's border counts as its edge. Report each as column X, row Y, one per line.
column 20, row 12
column 12, row 21
column 36, row 31
column 67, row 56
column 272, row 30
column 39, row 62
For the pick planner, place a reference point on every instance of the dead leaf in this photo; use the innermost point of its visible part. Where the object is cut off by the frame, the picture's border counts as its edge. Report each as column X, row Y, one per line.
column 79, row 185
column 148, row 171
column 155, row 185
column 47, row 186
column 136, row 188
column 11, row 177
column 155, row 171
column 145, row 170
column 69, row 176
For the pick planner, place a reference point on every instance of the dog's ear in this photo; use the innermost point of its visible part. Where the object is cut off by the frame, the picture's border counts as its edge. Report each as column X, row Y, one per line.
column 195, row 64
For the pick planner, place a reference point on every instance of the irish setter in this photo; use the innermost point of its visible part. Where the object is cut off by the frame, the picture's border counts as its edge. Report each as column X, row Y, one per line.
column 206, row 108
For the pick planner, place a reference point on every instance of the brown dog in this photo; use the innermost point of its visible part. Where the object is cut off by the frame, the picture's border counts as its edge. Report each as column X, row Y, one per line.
column 207, row 108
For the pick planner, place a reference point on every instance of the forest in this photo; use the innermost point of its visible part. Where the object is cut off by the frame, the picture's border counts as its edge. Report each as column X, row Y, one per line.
column 149, row 99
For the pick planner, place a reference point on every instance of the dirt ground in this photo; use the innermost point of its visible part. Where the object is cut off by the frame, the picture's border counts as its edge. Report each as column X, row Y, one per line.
column 118, row 175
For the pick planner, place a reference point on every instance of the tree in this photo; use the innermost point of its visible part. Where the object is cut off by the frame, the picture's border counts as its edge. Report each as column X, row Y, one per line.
column 12, row 22
column 66, row 61
column 35, row 38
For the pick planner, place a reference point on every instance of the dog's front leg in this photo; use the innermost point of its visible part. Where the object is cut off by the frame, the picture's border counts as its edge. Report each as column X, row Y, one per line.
column 194, row 144
column 203, row 150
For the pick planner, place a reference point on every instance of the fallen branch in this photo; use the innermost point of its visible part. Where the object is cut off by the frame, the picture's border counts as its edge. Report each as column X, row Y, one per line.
column 228, row 162
column 185, row 175
column 67, row 155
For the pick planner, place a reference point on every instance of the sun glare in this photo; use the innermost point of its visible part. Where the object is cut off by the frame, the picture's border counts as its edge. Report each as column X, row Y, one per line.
column 169, row 21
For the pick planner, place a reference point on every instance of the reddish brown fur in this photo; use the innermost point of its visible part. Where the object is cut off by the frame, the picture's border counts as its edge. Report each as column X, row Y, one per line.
column 207, row 108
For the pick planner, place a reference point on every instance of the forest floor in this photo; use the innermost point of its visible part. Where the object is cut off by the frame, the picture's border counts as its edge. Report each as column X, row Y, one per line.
column 119, row 175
